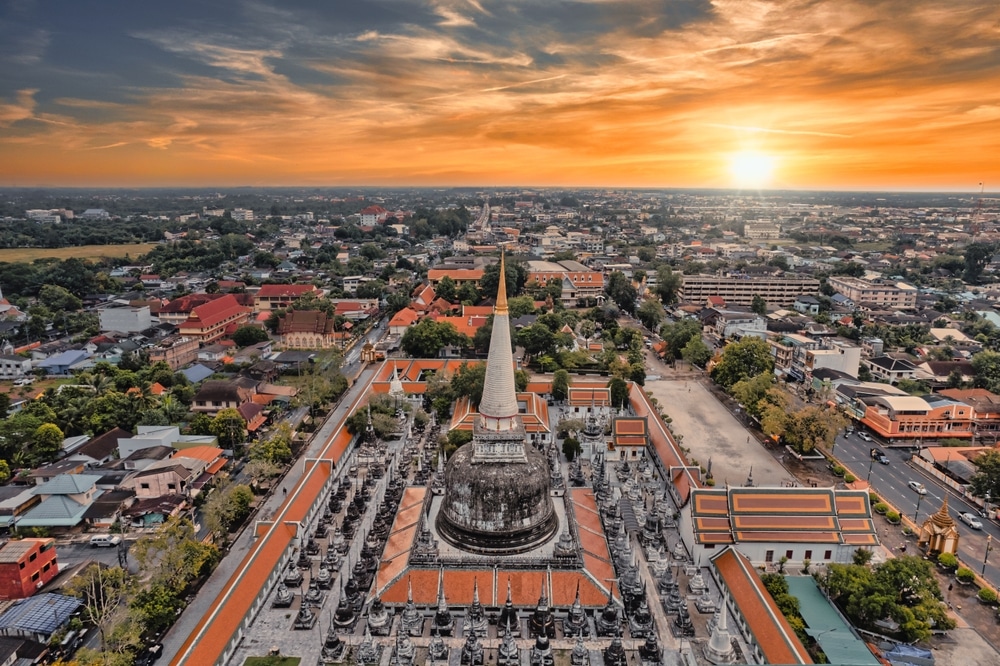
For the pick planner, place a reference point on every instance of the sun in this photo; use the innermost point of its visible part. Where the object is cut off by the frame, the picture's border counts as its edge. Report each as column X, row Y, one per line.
column 751, row 170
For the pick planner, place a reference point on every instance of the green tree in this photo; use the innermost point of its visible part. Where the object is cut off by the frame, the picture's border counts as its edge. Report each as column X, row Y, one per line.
column 227, row 508
column 679, row 333
column 156, row 607
column 427, row 338
column 58, row 299
column 749, row 357
column 750, row 392
column 103, row 591
column 446, row 289
column 4, row 405
column 537, row 340
column 517, row 277
column 46, row 443
column 469, row 380
column 619, row 392
column 521, row 379
column 758, row 305
column 651, row 314
column 987, row 366
column 247, row 335
column 230, row 429
column 668, row 284
column 977, row 255
column 560, row 385
column 173, row 555
column 571, row 448
column 813, row 426
column 277, row 448
column 696, row 352
column 986, row 480
column 620, row 290
column 520, row 306
column 468, row 293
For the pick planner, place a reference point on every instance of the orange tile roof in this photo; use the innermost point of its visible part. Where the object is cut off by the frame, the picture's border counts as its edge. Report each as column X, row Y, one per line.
column 206, row 453
column 404, row 317
column 771, row 631
column 284, row 290
column 216, row 466
column 457, row 274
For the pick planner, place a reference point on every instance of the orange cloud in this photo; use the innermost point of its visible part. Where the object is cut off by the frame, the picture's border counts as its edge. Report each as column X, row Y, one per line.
column 841, row 94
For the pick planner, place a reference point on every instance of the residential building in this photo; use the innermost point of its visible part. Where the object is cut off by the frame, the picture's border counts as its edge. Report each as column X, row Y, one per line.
column 897, row 295
column 157, row 481
column 64, row 501
column 806, row 305
column 212, row 321
column 276, row 296
column 26, row 566
column 731, row 324
column 175, row 351
column 215, row 395
column 891, row 370
column 740, row 290
column 985, row 412
column 242, row 215
column 152, row 436
column 38, row 618
column 761, row 231
column 125, row 320
column 833, row 355
column 373, row 215
column 14, row 367
column 63, row 363
column 402, row 320
column 912, row 420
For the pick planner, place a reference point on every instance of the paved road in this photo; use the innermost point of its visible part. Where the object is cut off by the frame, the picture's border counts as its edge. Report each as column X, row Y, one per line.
column 889, row 481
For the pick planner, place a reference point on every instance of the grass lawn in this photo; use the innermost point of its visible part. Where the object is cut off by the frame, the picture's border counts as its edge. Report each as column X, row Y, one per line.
column 27, row 255
column 272, row 661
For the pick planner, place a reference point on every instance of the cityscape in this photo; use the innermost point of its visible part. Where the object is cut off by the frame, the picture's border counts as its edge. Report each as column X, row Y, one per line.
column 479, row 333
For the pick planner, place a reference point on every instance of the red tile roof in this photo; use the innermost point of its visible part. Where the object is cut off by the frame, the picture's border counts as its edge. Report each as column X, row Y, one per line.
column 284, row 290
column 771, row 631
column 214, row 312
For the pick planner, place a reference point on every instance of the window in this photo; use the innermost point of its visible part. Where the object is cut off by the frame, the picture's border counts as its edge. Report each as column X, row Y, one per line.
column 769, row 556
column 32, row 557
column 20, row 565
column 809, row 555
column 788, row 554
column 35, row 576
column 828, row 554
column 172, row 486
column 144, row 486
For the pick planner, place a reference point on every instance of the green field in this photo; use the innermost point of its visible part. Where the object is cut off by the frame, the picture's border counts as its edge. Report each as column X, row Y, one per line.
column 29, row 254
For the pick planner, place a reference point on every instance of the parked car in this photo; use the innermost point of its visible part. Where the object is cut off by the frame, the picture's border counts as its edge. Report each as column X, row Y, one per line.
column 105, row 540
column 879, row 456
column 917, row 487
column 970, row 520
column 865, row 436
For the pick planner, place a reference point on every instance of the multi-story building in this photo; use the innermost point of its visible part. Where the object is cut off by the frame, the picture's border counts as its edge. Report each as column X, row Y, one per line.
column 276, row 296
column 125, row 320
column 209, row 322
column 891, row 370
column 740, row 290
column 985, row 412
column 14, row 367
column 242, row 215
column 910, row 419
column 175, row 351
column 740, row 324
column 898, row 295
column 458, row 275
column 26, row 566
column 761, row 231
column 833, row 355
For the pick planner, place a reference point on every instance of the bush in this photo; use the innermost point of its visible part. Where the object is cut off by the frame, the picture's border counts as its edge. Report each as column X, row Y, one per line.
column 892, row 517
column 710, row 482
column 838, row 470
column 947, row 560
column 965, row 575
column 872, row 498
column 987, row 596
column 850, row 478
column 907, row 530
column 881, row 507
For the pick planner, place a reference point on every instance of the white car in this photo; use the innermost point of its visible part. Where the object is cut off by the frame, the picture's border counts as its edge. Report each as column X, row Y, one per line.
column 970, row 520
column 865, row 436
column 917, row 487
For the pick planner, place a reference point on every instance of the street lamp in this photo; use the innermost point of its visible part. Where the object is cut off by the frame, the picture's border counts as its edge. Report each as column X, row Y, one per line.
column 870, row 464
column 919, row 497
column 989, row 546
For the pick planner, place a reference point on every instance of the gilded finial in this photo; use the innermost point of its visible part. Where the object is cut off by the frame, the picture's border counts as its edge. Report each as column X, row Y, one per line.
column 501, row 306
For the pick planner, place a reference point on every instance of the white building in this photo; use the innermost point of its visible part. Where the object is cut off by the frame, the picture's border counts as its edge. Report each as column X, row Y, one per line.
column 242, row 215
column 126, row 320
column 14, row 367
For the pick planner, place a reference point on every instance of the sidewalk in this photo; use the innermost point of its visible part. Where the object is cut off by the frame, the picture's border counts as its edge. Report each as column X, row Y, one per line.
column 199, row 606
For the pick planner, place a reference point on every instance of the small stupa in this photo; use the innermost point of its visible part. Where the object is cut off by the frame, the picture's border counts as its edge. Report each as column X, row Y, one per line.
column 939, row 534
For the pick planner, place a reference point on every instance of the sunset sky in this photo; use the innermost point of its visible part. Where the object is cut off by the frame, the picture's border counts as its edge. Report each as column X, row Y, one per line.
column 831, row 94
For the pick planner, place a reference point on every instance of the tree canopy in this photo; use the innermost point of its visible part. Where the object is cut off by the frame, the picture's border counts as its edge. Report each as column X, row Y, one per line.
column 427, row 338
column 747, row 358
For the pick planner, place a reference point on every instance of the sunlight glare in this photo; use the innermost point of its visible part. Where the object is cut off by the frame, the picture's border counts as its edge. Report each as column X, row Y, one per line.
column 751, row 170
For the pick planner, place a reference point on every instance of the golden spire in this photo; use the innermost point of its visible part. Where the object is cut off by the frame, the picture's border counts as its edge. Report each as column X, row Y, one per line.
column 501, row 306
column 942, row 518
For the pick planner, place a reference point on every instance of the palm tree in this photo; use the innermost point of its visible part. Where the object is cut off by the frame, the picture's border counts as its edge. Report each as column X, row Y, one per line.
column 173, row 409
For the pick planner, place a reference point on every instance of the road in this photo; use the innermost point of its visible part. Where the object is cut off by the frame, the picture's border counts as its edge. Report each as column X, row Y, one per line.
column 889, row 481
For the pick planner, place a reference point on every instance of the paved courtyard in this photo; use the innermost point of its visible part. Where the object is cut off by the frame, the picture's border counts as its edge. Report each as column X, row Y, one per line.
column 711, row 432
